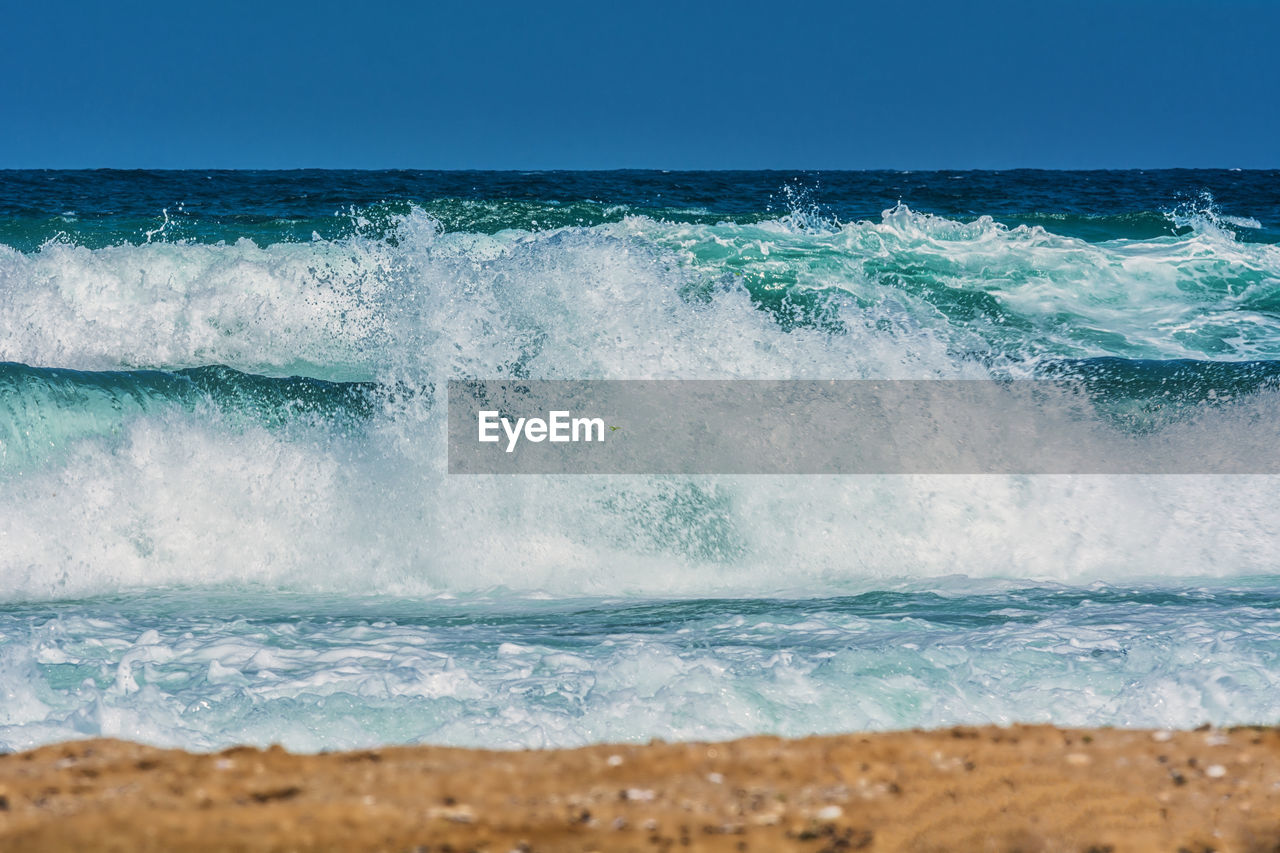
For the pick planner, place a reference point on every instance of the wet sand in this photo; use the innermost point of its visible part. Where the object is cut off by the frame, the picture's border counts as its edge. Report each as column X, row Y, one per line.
column 989, row 789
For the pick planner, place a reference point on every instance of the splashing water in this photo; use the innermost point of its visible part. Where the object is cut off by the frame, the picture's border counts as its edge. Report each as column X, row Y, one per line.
column 226, row 516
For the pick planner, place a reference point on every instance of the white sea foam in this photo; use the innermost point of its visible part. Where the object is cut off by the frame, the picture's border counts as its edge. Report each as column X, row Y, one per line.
column 182, row 497
column 910, row 296
column 178, row 501
column 187, row 672
column 215, row 505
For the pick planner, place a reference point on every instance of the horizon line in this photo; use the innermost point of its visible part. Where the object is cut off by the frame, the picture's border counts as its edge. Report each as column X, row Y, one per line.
column 653, row 169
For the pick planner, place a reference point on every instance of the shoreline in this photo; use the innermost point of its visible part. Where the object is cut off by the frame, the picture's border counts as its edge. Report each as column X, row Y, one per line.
column 1020, row 788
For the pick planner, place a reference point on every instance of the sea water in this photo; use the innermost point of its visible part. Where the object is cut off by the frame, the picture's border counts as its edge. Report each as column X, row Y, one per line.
column 225, row 515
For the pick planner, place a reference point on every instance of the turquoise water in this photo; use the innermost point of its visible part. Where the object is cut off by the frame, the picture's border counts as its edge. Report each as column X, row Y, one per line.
column 318, row 672
column 226, row 519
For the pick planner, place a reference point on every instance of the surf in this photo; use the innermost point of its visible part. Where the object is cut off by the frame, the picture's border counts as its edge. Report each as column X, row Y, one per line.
column 227, row 516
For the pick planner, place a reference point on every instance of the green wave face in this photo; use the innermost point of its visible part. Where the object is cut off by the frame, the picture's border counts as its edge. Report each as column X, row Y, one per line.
column 44, row 410
column 997, row 292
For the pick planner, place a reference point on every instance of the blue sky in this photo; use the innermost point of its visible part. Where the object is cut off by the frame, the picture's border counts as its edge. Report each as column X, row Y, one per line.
column 608, row 84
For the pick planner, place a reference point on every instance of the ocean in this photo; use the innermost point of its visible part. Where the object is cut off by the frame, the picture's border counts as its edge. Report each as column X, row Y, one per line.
column 225, row 515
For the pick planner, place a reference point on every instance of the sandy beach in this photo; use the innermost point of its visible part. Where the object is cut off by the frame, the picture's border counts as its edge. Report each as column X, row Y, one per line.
column 1023, row 788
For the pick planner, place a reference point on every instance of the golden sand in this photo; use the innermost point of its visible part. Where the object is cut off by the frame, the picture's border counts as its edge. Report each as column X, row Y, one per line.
column 1026, row 788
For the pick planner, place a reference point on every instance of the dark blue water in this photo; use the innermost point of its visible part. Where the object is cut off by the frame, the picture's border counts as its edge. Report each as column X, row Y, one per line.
column 100, row 207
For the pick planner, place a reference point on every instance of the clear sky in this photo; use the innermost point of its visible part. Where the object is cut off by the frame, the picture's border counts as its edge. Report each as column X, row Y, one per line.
column 608, row 84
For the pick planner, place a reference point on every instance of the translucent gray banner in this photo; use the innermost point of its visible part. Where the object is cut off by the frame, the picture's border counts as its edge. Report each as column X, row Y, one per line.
column 851, row 427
